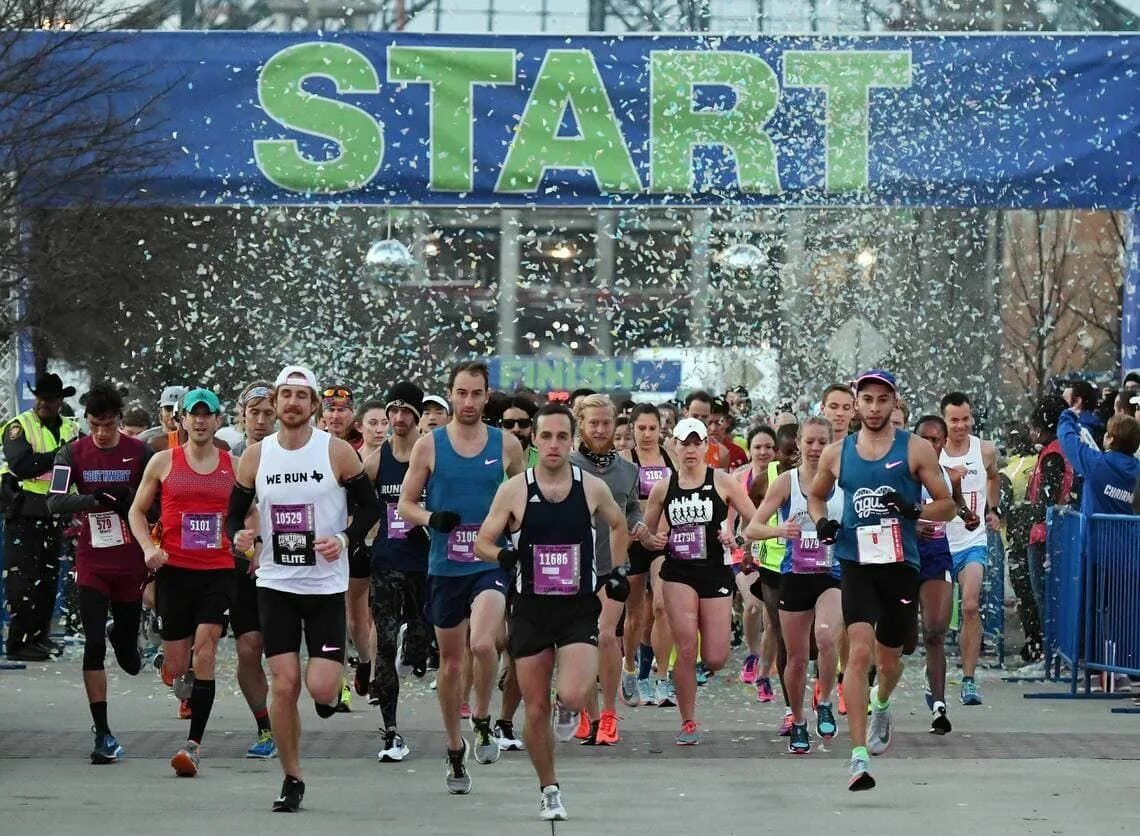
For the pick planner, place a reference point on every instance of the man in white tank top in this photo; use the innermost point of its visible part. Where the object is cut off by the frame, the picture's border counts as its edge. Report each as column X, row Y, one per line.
column 304, row 481
column 976, row 461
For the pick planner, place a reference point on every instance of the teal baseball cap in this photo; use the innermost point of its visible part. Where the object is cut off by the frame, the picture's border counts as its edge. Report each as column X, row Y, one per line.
column 196, row 396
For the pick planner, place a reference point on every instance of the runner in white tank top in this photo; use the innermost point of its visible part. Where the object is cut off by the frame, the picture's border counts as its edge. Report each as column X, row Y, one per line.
column 976, row 463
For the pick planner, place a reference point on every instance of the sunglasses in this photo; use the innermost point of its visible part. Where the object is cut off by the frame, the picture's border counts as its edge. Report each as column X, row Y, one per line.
column 337, row 393
column 521, row 423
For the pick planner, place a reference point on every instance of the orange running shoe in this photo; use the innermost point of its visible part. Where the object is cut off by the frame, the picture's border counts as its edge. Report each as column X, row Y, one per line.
column 842, row 706
column 608, row 729
column 184, row 709
column 815, row 696
column 167, row 677
column 583, row 726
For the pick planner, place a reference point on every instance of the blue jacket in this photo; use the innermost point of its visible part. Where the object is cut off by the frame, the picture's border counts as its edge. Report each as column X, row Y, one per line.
column 1109, row 478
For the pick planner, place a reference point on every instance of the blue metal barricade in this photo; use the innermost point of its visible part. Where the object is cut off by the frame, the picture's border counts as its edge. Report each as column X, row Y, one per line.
column 1064, row 593
column 1112, row 590
column 992, row 598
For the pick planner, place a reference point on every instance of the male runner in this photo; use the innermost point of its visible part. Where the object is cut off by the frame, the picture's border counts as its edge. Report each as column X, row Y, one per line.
column 303, row 479
column 437, row 411
column 518, row 419
column 399, row 566
column 461, row 465
column 881, row 471
column 168, row 403
column 104, row 470
column 698, row 405
column 259, row 419
column 720, row 430
column 194, row 585
column 554, row 611
column 838, row 406
column 975, row 461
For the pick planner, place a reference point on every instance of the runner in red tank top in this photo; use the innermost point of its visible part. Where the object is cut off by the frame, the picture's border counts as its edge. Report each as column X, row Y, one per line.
column 194, row 588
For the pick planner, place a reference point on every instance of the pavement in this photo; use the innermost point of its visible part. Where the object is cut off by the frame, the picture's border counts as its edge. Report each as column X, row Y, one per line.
column 1012, row 765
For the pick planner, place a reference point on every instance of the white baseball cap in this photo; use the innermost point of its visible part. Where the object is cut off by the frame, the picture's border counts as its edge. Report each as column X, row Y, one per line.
column 172, row 396
column 688, row 426
column 438, row 401
column 296, row 376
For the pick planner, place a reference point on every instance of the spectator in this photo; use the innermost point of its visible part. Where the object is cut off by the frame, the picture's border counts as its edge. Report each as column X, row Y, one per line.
column 1050, row 485
column 1082, row 397
column 1109, row 477
column 720, row 429
column 135, row 420
column 1021, row 459
column 1125, row 403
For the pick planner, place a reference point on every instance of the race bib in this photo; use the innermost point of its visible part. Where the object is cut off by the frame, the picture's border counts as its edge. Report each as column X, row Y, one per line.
column 687, row 542
column 932, row 530
column 648, row 476
column 556, row 569
column 970, row 499
column 809, row 555
column 107, row 530
column 880, row 543
column 398, row 527
column 293, row 533
column 201, row 531
column 461, row 544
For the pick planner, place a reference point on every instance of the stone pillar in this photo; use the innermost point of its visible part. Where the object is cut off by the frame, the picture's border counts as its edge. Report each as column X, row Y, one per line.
column 699, row 263
column 606, row 258
column 509, row 252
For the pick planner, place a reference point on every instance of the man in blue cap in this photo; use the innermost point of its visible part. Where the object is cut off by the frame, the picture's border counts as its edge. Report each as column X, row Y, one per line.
column 882, row 471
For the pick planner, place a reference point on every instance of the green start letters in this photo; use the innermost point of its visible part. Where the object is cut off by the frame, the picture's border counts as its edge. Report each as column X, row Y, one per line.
column 568, row 81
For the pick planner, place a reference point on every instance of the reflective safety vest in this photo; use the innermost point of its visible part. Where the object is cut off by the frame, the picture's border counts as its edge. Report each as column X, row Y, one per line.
column 42, row 441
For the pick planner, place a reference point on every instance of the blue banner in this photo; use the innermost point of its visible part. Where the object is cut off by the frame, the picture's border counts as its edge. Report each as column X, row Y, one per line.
column 395, row 118
column 1130, row 301
column 544, row 374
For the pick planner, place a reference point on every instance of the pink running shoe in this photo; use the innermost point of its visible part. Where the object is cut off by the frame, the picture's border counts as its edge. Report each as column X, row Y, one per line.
column 750, row 669
column 764, row 691
column 465, row 711
column 786, row 725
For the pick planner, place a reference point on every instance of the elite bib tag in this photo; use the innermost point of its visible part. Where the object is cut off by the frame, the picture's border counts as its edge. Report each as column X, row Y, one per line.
column 556, row 570
column 294, row 533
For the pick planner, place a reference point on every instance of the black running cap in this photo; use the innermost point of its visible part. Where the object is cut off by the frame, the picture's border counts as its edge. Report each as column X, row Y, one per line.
column 407, row 395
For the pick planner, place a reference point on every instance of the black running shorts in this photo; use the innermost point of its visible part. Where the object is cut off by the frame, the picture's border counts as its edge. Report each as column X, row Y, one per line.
column 543, row 622
column 185, row 598
column 798, row 593
column 884, row 596
column 286, row 615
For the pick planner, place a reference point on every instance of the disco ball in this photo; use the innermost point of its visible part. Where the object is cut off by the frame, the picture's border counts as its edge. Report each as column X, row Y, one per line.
column 389, row 257
column 743, row 258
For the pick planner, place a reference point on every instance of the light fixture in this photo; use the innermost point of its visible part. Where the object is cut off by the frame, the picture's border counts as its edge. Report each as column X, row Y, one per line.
column 562, row 251
column 742, row 258
column 866, row 258
column 389, row 256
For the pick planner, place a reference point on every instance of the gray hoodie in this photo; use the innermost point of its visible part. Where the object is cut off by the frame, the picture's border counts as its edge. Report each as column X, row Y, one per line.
column 621, row 478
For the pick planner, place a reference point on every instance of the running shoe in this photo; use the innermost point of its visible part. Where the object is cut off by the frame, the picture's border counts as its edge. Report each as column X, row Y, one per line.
column 184, row 710
column 185, row 760
column 458, row 779
column 645, row 692
column 583, row 730
column 292, row 793
column 264, row 747
column 629, row 692
column 344, row 706
column 107, row 748
column 550, row 805
column 395, row 750
column 798, row 741
column 939, row 721
column 665, row 696
column 786, row 723
column 825, row 721
column 402, row 667
column 465, row 711
column 591, row 738
column 565, row 722
column 816, row 693
column 881, row 728
column 841, row 703
column 926, row 692
column 325, row 711
column 860, row 775
column 505, row 734
column 970, row 695
column 184, row 685
column 486, row 745
column 764, row 692
column 750, row 669
column 608, row 729
column 703, row 674
column 362, row 677
column 689, row 735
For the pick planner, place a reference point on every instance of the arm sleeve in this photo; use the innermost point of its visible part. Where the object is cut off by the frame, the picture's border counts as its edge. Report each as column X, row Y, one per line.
column 23, row 461
column 633, row 514
column 1083, row 458
column 241, row 498
column 70, row 502
column 366, row 508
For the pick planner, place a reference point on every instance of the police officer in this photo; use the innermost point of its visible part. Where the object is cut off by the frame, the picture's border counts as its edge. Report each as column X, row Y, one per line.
column 31, row 533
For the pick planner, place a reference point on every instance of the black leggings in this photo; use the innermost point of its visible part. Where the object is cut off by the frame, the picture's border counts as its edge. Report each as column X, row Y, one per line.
column 93, row 607
column 397, row 598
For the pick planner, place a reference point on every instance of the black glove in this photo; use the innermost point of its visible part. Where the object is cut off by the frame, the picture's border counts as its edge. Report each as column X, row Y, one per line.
column 418, row 537
column 118, row 501
column 508, row 560
column 827, row 531
column 893, row 501
column 443, row 521
column 617, row 584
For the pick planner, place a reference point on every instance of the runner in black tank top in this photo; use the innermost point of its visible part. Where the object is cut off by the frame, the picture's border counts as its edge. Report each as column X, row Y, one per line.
column 697, row 584
column 554, row 611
